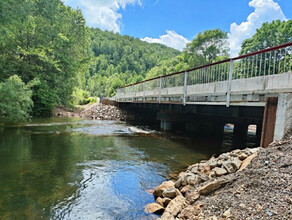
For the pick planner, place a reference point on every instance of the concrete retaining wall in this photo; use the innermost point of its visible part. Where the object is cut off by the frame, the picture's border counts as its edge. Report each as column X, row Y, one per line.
column 283, row 116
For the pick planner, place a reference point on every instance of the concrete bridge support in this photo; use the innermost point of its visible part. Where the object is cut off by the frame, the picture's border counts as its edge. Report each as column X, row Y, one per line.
column 239, row 138
column 166, row 125
column 259, row 134
column 283, row 116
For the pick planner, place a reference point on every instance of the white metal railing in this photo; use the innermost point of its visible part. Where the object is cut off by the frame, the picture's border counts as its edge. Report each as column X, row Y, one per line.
column 266, row 62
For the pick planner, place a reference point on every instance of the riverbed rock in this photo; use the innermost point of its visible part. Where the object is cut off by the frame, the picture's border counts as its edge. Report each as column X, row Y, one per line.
column 203, row 177
column 187, row 188
column 169, row 193
column 227, row 165
column 213, row 162
column 219, row 171
column 242, row 156
column 224, row 156
column 174, row 207
column 159, row 189
column 247, row 161
column 159, row 201
column 167, row 216
column 236, row 163
column 154, row 208
column 190, row 178
column 178, row 183
column 195, row 170
column 192, row 196
column 190, row 212
column 166, row 201
column 212, row 186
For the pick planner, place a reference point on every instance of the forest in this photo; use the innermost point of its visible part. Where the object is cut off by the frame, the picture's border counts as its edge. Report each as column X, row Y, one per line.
column 49, row 57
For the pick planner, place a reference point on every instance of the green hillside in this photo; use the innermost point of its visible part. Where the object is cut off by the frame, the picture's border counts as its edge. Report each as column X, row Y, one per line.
column 120, row 60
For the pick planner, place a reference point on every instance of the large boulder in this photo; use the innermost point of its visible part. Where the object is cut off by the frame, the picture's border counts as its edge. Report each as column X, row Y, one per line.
column 190, row 212
column 159, row 189
column 174, row 207
column 187, row 188
column 227, row 165
column 159, row 201
column 219, row 171
column 236, row 163
column 178, row 183
column 166, row 201
column 190, row 179
column 169, row 193
column 212, row 186
column 192, row 196
column 154, row 208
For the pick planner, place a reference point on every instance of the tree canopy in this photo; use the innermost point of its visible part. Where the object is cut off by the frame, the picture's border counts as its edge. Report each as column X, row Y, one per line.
column 15, row 99
column 119, row 60
column 45, row 40
column 208, row 45
column 269, row 35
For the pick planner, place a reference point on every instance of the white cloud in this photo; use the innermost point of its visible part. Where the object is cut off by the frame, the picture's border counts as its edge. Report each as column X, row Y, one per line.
column 103, row 13
column 264, row 11
column 170, row 39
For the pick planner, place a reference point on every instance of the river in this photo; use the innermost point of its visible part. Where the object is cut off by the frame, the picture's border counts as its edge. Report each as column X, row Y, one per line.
column 66, row 168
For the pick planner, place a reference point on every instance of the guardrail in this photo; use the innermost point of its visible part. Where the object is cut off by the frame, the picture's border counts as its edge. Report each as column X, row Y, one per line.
column 271, row 61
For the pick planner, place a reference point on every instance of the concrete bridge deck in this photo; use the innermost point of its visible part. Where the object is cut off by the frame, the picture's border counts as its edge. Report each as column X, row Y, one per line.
column 259, row 82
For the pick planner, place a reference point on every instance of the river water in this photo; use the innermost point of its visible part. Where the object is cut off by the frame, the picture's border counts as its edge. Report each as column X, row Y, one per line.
column 66, row 168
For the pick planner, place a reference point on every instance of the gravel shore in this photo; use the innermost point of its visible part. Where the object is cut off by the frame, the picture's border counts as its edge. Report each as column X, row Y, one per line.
column 243, row 184
column 94, row 111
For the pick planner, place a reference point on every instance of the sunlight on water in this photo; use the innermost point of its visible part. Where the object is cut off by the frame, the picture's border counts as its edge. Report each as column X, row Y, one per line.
column 61, row 168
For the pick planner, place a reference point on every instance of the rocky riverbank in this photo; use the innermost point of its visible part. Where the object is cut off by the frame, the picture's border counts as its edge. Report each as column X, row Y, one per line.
column 94, row 111
column 242, row 184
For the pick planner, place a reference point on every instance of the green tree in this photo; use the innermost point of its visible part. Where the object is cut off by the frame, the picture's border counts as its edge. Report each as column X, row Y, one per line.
column 15, row 101
column 46, row 40
column 269, row 35
column 207, row 46
column 120, row 60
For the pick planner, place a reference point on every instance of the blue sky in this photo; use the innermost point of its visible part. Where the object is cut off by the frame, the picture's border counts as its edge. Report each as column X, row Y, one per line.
column 176, row 22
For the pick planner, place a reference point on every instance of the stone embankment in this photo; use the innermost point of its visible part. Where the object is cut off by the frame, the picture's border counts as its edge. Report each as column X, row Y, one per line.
column 94, row 111
column 243, row 184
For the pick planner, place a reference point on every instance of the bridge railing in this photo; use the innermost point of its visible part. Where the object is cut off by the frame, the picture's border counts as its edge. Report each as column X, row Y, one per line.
column 271, row 61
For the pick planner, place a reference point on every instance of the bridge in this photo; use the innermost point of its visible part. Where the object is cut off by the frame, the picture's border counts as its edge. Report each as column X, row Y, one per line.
column 255, row 88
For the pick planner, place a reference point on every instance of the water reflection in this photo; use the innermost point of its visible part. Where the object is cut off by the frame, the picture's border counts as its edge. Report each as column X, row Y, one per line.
column 75, row 169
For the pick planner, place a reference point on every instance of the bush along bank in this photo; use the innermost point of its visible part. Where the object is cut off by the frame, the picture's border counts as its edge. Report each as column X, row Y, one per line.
column 242, row 184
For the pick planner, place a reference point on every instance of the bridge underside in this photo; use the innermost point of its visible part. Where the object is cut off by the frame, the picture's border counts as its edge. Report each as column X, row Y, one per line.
column 271, row 115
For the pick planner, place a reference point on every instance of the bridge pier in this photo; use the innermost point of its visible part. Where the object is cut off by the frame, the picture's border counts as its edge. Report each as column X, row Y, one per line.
column 239, row 138
column 259, row 134
column 283, row 116
column 165, row 125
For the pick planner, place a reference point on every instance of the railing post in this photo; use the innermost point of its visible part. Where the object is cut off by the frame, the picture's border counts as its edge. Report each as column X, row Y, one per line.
column 185, row 87
column 229, row 83
column 144, row 99
column 132, row 93
column 160, row 82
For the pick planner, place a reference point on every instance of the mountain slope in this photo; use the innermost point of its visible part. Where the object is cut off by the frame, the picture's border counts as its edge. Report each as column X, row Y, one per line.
column 120, row 60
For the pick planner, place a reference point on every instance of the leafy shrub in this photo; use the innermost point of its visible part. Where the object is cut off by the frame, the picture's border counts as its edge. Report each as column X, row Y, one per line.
column 81, row 97
column 45, row 99
column 15, row 99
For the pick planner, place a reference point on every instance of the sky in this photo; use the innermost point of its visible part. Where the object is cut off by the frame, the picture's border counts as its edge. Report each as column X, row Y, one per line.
column 176, row 22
